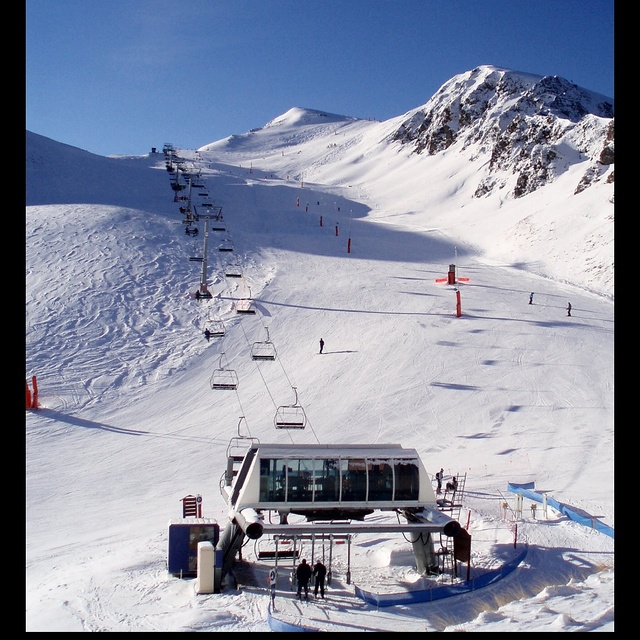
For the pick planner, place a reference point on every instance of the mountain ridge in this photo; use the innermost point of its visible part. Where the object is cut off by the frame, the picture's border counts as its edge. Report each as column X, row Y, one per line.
column 526, row 168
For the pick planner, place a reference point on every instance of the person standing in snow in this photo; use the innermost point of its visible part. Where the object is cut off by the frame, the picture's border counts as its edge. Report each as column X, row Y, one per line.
column 272, row 579
column 207, row 334
column 531, row 298
column 303, row 575
column 568, row 308
column 321, row 345
column 320, row 572
column 439, row 476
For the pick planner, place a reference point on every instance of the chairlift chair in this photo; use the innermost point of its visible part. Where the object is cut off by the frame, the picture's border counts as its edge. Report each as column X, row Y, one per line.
column 291, row 416
column 236, row 451
column 215, row 327
column 222, row 378
column 263, row 350
column 203, row 293
column 233, row 271
column 225, row 245
column 244, row 305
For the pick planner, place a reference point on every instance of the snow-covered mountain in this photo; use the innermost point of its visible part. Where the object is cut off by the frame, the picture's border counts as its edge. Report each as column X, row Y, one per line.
column 531, row 128
column 484, row 141
column 129, row 422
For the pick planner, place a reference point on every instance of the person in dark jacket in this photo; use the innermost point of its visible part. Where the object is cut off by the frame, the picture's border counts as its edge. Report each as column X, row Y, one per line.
column 321, row 345
column 568, row 308
column 439, row 476
column 320, row 572
column 303, row 575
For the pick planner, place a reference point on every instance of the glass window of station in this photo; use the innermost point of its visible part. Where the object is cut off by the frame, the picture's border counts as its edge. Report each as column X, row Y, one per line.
column 338, row 480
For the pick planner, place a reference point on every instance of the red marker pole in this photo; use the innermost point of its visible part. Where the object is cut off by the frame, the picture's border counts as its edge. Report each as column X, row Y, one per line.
column 34, row 402
column 28, row 395
column 458, row 304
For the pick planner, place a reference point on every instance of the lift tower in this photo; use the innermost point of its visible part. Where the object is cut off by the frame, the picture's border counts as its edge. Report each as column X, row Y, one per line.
column 204, row 289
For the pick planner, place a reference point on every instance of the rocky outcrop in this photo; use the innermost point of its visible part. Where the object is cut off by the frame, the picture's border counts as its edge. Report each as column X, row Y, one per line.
column 529, row 128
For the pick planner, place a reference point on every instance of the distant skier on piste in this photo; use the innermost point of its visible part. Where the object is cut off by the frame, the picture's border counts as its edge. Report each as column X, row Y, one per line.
column 321, row 345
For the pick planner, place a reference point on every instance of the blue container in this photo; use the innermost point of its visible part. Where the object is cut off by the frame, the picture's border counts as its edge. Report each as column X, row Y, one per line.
column 184, row 536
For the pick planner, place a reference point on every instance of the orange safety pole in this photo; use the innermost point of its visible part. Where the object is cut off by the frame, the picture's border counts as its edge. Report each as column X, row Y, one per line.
column 28, row 395
column 34, row 403
column 458, row 305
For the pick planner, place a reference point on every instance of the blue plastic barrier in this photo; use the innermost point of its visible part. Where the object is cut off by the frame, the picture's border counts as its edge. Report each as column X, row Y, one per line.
column 437, row 593
column 527, row 490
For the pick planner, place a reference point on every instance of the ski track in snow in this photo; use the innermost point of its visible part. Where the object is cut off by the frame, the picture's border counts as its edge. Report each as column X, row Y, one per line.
column 126, row 327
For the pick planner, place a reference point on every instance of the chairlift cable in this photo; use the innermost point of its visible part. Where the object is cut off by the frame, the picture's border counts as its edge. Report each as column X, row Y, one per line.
column 259, row 368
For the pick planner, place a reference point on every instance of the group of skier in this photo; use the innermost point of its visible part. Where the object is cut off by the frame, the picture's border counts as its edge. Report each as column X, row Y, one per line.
column 568, row 304
column 304, row 573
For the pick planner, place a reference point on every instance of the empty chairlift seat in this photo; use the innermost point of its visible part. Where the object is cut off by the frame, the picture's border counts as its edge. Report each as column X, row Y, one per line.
column 244, row 305
column 233, row 271
column 222, row 378
column 291, row 416
column 217, row 221
column 263, row 350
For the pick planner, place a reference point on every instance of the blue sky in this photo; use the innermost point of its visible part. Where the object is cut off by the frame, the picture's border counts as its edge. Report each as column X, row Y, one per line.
column 122, row 76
